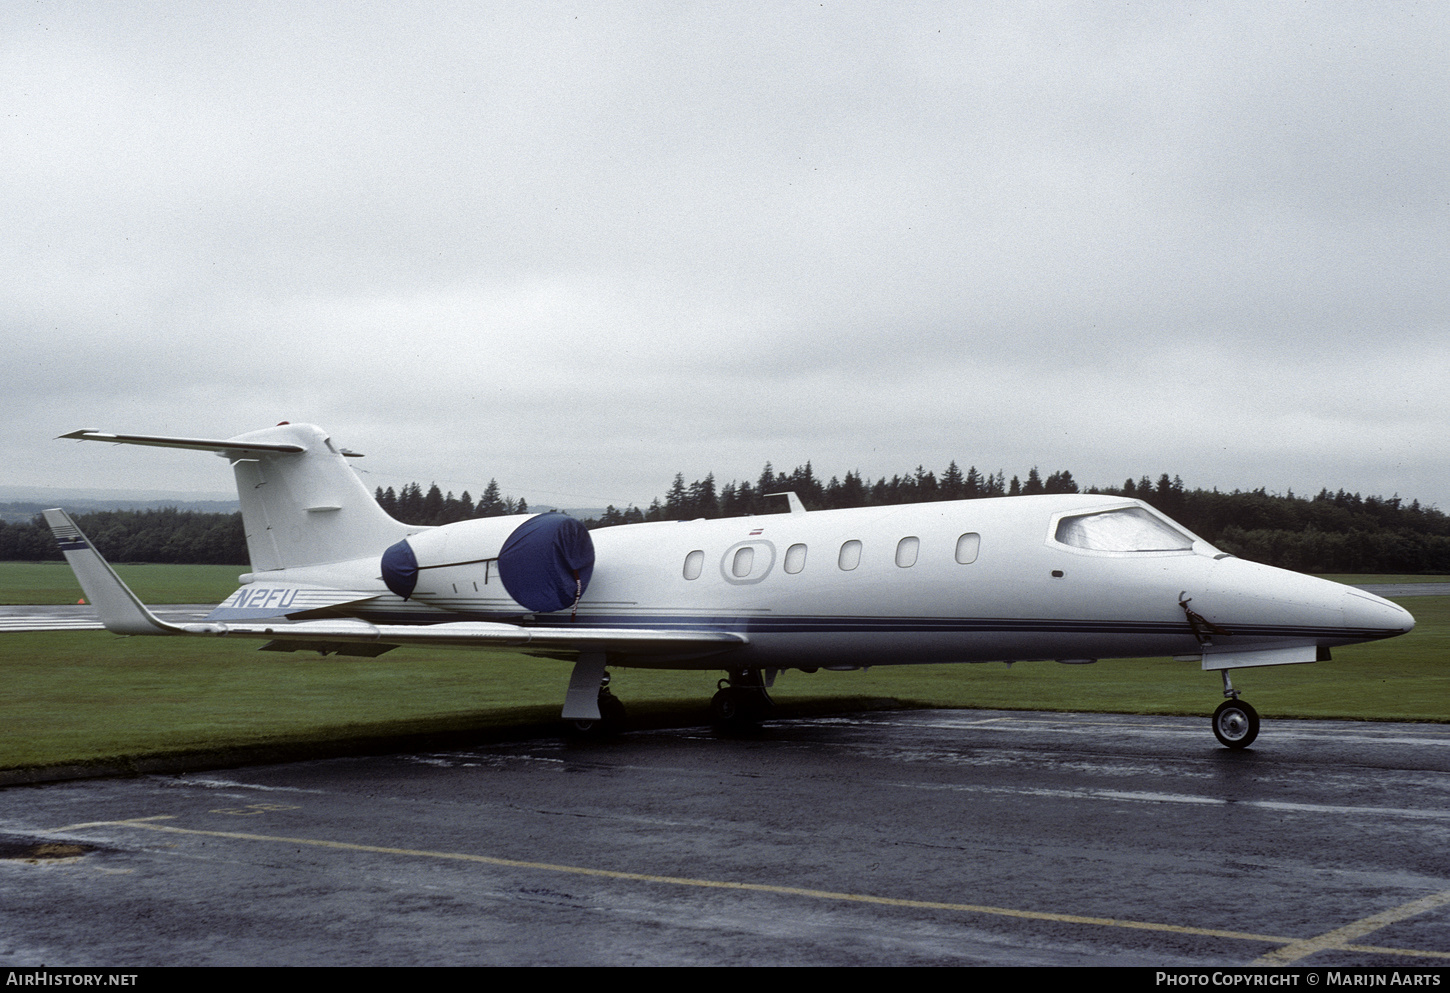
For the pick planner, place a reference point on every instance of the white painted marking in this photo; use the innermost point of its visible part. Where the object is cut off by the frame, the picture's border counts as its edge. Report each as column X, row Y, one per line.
column 1135, row 797
column 229, row 784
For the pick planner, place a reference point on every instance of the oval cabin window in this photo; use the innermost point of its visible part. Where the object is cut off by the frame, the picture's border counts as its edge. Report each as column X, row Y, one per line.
column 967, row 546
column 795, row 559
column 850, row 555
column 906, row 550
column 744, row 559
column 694, row 562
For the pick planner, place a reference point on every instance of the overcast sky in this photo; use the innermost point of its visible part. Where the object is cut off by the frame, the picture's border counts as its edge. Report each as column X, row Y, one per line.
column 580, row 247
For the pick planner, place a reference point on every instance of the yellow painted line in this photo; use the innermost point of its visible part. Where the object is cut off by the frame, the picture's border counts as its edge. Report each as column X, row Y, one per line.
column 1331, row 940
column 1337, row 938
column 147, row 823
column 1380, row 950
column 133, row 822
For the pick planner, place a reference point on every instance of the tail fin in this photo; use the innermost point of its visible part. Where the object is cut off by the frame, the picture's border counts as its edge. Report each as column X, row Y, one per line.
column 301, row 503
column 121, row 612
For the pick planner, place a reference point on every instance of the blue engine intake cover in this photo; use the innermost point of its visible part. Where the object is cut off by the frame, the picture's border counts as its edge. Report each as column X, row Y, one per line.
column 545, row 563
column 400, row 569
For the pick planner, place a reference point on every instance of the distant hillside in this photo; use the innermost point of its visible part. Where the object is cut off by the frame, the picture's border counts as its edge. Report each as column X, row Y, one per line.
column 108, row 495
column 21, row 511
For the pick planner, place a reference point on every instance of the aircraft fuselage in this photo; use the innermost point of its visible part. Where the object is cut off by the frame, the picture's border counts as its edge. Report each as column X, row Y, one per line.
column 962, row 581
column 1069, row 577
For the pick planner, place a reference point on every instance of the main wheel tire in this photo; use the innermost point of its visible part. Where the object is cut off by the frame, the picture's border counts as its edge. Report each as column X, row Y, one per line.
column 726, row 707
column 611, row 719
column 611, row 708
column 1235, row 724
column 734, row 708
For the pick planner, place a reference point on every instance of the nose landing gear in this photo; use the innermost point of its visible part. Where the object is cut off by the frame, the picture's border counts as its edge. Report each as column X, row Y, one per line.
column 1235, row 723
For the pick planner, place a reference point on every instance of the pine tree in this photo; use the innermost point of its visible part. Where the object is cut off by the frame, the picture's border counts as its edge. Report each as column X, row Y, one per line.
column 1060, row 482
column 490, row 503
column 973, row 486
column 410, row 504
column 951, row 484
column 676, row 498
column 702, row 499
column 765, row 485
column 432, row 512
column 924, row 486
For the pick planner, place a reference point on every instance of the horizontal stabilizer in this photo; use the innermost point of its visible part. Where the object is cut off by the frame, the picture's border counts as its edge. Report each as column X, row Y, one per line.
column 302, row 503
column 194, row 444
column 121, row 612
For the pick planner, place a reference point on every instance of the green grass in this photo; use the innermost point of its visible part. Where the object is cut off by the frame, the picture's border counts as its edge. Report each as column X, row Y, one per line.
column 53, row 582
column 89, row 696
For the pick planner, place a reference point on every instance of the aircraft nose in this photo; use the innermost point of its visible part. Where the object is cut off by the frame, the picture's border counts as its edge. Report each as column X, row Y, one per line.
column 1376, row 616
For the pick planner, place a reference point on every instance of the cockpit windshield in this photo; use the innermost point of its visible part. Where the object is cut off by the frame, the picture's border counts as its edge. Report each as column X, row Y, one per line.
column 1127, row 529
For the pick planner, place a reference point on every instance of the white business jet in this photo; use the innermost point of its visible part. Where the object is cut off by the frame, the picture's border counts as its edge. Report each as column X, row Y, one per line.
column 1073, row 578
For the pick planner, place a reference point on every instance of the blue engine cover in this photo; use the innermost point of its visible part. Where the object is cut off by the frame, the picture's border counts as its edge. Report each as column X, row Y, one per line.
column 400, row 569
column 546, row 562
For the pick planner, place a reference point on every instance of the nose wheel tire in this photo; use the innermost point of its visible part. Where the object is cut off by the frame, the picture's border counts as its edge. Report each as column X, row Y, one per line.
column 1235, row 724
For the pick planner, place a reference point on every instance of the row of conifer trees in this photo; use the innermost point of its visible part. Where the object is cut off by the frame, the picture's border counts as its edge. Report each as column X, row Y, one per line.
column 1330, row 532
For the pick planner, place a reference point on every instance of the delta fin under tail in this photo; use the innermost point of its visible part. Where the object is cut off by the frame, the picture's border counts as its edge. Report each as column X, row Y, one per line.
column 120, row 610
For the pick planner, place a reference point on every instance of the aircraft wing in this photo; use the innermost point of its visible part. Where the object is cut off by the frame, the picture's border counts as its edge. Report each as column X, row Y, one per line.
column 330, row 635
column 122, row 613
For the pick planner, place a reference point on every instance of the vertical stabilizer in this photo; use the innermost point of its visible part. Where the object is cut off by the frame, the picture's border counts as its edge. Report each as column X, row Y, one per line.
column 308, row 507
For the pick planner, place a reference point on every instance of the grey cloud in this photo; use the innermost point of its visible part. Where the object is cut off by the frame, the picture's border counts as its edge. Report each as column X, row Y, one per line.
column 583, row 248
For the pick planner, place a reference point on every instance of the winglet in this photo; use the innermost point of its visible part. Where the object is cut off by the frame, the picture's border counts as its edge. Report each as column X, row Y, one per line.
column 120, row 611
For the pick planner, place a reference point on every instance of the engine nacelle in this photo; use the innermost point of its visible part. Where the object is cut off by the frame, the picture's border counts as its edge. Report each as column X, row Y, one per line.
column 543, row 562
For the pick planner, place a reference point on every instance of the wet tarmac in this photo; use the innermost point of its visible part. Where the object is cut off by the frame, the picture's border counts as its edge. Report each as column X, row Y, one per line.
column 937, row 837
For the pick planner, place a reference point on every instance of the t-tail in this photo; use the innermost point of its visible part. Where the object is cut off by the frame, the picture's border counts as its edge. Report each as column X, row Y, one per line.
column 302, row 504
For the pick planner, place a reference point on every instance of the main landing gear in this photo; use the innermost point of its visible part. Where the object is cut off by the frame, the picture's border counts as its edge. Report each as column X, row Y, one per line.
column 589, row 708
column 741, row 702
column 1235, row 723
column 611, row 715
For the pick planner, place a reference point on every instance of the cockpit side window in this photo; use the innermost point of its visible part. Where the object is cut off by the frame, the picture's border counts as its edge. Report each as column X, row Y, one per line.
column 1127, row 529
